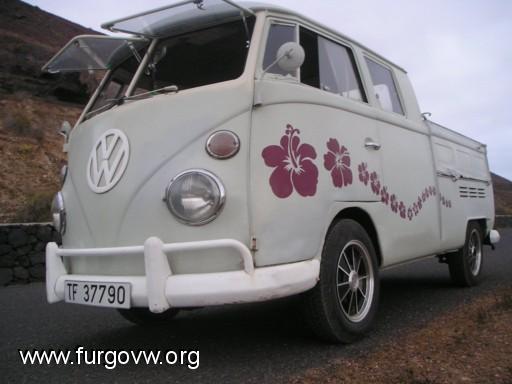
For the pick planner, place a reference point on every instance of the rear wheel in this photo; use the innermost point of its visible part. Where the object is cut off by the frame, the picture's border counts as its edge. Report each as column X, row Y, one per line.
column 143, row 316
column 466, row 264
column 343, row 304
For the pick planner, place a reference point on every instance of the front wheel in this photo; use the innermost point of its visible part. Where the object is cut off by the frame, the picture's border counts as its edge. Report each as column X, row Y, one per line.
column 342, row 306
column 466, row 264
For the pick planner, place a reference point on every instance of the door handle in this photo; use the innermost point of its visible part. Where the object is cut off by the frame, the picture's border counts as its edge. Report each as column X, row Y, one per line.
column 369, row 143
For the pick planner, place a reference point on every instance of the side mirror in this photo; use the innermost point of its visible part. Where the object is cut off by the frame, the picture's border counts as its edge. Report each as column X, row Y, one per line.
column 290, row 56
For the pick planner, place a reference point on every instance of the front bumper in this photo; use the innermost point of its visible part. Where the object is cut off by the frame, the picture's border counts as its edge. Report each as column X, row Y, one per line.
column 160, row 290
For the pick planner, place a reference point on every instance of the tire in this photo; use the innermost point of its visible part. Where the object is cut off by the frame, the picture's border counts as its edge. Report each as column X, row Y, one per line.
column 466, row 264
column 143, row 316
column 342, row 306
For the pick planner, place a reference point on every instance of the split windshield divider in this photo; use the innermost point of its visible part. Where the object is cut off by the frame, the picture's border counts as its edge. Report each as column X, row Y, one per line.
column 93, row 98
column 141, row 68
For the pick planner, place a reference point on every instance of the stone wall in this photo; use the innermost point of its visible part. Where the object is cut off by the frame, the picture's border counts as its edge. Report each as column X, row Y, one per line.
column 22, row 252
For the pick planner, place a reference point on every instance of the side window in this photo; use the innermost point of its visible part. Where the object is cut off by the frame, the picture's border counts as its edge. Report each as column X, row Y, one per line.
column 338, row 70
column 309, row 71
column 384, row 87
column 277, row 36
column 329, row 66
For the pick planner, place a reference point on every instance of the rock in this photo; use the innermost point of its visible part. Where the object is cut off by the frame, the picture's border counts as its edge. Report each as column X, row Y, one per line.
column 24, row 261
column 18, row 238
column 5, row 248
column 37, row 258
column 37, row 272
column 7, row 261
column 5, row 276
column 32, row 239
column 21, row 273
column 40, row 246
column 44, row 234
column 22, row 251
column 31, row 229
column 3, row 236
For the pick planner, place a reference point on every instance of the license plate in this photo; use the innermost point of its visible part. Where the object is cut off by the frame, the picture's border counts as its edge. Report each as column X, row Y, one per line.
column 114, row 295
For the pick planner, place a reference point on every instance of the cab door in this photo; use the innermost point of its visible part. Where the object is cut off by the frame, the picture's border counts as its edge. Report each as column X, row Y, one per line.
column 313, row 144
column 410, row 227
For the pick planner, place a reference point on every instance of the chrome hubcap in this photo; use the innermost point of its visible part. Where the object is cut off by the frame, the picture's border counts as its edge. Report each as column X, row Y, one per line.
column 474, row 252
column 355, row 281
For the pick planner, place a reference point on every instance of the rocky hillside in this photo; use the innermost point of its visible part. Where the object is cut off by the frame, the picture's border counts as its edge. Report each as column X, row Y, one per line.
column 33, row 105
column 502, row 195
column 30, row 36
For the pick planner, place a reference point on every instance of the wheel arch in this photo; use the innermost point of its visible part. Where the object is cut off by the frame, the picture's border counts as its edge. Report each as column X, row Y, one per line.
column 481, row 221
column 364, row 219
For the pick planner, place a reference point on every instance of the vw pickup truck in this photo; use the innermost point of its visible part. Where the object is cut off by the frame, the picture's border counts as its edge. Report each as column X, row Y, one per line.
column 238, row 153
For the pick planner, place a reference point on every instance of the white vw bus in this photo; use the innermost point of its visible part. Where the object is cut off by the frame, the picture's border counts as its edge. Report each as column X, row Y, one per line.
column 241, row 153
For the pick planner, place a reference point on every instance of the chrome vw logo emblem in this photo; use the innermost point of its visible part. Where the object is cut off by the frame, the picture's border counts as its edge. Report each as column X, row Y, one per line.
column 108, row 161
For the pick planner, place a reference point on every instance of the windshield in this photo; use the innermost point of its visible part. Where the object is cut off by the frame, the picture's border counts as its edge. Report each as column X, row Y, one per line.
column 190, row 60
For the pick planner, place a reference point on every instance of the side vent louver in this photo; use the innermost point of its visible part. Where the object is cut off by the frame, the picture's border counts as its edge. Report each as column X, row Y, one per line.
column 472, row 193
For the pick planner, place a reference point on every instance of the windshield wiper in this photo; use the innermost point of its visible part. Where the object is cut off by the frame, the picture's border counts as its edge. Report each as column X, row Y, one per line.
column 155, row 92
column 120, row 100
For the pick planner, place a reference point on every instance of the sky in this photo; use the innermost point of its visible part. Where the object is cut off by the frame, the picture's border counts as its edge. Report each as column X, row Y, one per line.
column 457, row 53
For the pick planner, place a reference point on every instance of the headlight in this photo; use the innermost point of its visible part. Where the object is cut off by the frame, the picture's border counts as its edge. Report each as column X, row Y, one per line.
column 59, row 213
column 195, row 197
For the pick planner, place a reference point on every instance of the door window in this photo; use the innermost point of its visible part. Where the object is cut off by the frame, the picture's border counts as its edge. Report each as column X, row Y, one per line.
column 330, row 66
column 384, row 87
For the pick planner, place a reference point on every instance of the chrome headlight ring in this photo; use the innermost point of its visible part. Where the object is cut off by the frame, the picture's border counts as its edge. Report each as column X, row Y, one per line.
column 195, row 197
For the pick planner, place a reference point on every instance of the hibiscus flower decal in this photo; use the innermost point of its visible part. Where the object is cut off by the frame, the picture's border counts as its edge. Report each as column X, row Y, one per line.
column 294, row 168
column 337, row 161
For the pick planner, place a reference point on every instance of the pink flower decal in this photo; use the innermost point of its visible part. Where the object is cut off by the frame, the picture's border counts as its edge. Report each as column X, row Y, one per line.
column 364, row 176
column 375, row 183
column 294, row 168
column 384, row 195
column 445, row 202
column 401, row 208
column 337, row 161
column 409, row 214
column 394, row 203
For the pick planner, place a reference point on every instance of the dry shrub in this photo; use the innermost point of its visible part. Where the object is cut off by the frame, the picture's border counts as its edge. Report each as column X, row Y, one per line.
column 37, row 208
column 20, row 125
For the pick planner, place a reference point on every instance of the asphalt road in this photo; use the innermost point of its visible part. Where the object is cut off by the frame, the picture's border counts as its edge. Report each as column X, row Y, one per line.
column 263, row 343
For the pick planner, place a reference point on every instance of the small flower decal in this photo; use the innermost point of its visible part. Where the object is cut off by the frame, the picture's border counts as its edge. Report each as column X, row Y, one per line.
column 337, row 161
column 401, row 208
column 364, row 176
column 384, row 195
column 445, row 202
column 394, row 203
column 409, row 214
column 375, row 183
column 293, row 165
